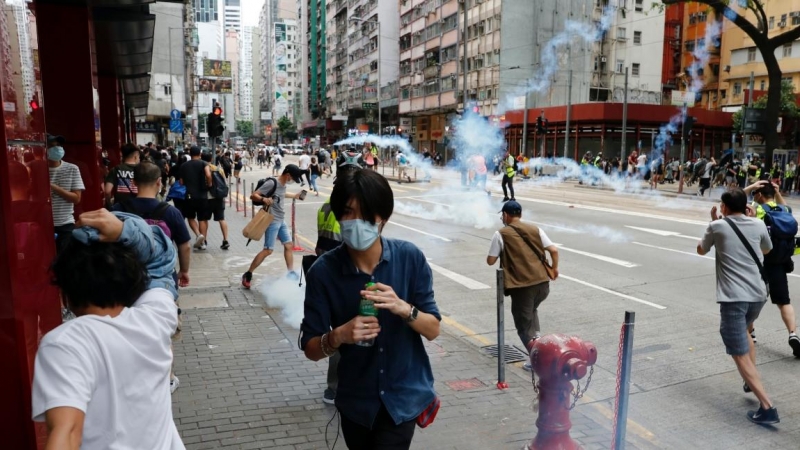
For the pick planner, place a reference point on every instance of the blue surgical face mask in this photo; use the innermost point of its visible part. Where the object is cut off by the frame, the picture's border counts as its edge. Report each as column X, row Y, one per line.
column 359, row 234
column 55, row 153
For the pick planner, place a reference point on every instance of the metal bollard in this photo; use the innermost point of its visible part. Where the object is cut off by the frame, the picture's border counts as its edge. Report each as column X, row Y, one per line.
column 230, row 193
column 244, row 196
column 296, row 247
column 623, row 382
column 501, row 333
column 252, row 206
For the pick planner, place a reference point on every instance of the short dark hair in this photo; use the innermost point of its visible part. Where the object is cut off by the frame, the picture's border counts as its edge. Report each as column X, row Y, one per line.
column 206, row 157
column 735, row 200
column 146, row 173
column 128, row 149
column 767, row 190
column 370, row 189
column 100, row 274
column 194, row 151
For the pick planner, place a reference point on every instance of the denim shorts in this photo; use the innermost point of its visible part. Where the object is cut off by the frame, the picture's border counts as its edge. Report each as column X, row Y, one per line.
column 277, row 230
column 735, row 317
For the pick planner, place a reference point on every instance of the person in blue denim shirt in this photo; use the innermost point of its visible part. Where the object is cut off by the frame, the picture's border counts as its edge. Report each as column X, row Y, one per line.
column 383, row 388
column 101, row 380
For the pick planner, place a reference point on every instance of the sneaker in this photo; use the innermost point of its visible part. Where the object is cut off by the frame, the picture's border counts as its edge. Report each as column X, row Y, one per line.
column 246, row 278
column 204, row 246
column 513, row 199
column 505, row 199
column 329, row 396
column 292, row 275
column 199, row 241
column 746, row 388
column 753, row 335
column 174, row 382
column 794, row 342
column 764, row 416
column 225, row 245
column 526, row 367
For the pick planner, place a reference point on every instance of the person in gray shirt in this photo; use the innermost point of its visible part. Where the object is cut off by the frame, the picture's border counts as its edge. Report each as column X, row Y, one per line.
column 741, row 292
column 273, row 195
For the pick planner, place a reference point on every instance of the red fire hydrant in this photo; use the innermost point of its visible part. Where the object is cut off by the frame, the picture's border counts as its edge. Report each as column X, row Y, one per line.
column 558, row 359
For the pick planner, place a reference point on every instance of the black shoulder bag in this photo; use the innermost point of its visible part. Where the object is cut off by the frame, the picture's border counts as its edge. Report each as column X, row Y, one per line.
column 751, row 251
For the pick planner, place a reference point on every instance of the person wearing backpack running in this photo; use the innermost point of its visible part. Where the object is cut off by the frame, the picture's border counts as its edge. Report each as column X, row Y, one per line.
column 772, row 209
column 217, row 204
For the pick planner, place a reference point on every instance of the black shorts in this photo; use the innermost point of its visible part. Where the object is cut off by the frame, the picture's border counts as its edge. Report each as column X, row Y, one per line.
column 705, row 183
column 196, row 208
column 217, row 206
column 778, row 283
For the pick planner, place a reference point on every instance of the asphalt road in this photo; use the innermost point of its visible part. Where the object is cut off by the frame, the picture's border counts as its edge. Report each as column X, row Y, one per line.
column 618, row 253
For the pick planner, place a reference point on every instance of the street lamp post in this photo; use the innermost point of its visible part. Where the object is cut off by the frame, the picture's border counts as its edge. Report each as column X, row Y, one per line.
column 376, row 22
column 171, row 94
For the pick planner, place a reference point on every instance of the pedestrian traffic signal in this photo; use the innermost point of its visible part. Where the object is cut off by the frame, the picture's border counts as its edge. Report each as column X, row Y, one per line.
column 37, row 115
column 214, row 124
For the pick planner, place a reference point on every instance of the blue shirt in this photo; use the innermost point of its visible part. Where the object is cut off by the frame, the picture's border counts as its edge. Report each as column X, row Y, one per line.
column 172, row 217
column 396, row 371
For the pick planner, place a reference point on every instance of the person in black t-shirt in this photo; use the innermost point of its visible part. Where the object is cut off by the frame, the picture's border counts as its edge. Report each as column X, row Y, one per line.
column 196, row 176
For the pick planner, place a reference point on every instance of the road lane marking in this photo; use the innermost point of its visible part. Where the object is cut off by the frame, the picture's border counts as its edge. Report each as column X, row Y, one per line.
column 467, row 282
column 618, row 294
column 673, row 250
column 421, row 232
column 663, row 232
column 607, row 259
column 613, row 211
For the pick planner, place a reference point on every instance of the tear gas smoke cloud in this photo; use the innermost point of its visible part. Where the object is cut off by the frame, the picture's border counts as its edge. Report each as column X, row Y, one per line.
column 474, row 135
column 286, row 295
column 474, row 209
column 605, row 233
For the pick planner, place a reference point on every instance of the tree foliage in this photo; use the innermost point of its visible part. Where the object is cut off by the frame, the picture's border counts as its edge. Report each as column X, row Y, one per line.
column 788, row 107
column 244, row 128
column 285, row 125
column 736, row 11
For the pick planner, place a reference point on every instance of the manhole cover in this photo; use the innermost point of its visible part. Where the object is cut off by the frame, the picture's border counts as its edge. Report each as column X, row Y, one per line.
column 463, row 385
column 510, row 353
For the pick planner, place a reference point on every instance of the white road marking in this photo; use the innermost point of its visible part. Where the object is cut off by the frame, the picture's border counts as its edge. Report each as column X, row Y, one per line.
column 673, row 250
column 663, row 232
column 467, row 282
column 607, row 259
column 613, row 211
column 609, row 291
column 420, row 231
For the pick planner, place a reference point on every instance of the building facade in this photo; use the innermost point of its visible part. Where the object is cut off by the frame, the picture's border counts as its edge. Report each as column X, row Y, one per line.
column 231, row 100
column 272, row 12
column 206, row 10
column 233, row 15
column 245, row 92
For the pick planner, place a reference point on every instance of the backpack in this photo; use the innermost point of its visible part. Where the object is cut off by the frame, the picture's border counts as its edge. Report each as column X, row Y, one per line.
column 154, row 218
column 219, row 185
column 782, row 228
column 516, row 165
column 271, row 192
column 177, row 191
column 699, row 167
column 403, row 159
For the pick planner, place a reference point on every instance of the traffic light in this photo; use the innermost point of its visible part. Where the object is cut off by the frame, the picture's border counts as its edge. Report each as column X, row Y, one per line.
column 37, row 114
column 214, row 123
column 539, row 125
column 687, row 126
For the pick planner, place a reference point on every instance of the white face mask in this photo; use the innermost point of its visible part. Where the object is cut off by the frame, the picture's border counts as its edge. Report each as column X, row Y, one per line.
column 359, row 234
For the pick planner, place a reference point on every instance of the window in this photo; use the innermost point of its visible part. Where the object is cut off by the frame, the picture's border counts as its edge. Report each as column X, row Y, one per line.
column 635, row 69
column 763, row 85
column 620, row 65
column 737, row 88
column 449, row 53
column 787, row 50
column 449, row 83
column 796, row 20
column 450, row 23
column 621, row 33
column 772, row 22
column 639, row 6
column 751, row 54
column 167, row 89
column 637, row 37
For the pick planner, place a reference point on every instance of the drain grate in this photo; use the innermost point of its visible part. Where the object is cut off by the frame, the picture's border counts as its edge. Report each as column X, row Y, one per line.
column 510, row 353
column 464, row 385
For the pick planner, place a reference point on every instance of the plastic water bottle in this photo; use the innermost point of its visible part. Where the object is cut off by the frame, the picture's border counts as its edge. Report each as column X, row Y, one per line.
column 367, row 308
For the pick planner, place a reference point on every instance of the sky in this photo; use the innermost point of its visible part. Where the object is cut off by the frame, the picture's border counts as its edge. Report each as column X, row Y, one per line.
column 250, row 11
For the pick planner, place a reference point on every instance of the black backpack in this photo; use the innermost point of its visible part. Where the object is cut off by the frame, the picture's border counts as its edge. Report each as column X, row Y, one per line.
column 271, row 192
column 219, row 185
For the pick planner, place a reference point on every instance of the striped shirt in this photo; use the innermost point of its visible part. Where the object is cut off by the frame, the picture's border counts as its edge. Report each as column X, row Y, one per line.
column 68, row 177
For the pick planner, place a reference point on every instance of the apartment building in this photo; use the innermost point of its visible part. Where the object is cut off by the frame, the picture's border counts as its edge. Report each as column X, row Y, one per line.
column 245, row 91
column 362, row 59
column 696, row 19
column 272, row 13
column 233, row 15
column 316, row 119
column 740, row 57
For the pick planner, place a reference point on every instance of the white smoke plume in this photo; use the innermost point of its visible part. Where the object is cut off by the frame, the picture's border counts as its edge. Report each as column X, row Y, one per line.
column 285, row 294
column 452, row 205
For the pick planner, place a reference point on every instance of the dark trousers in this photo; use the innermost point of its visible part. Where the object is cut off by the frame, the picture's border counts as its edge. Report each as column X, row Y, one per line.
column 508, row 181
column 63, row 233
column 333, row 367
column 384, row 435
column 525, row 303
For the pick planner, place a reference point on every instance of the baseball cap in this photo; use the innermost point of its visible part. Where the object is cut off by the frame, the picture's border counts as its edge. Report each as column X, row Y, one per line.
column 58, row 138
column 512, row 207
column 294, row 172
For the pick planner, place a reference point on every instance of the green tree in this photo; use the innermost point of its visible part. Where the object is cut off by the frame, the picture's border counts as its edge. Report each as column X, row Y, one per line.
column 286, row 128
column 244, row 128
column 788, row 107
column 759, row 32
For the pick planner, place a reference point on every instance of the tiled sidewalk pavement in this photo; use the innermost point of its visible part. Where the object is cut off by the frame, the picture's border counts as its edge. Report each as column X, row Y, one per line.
column 245, row 385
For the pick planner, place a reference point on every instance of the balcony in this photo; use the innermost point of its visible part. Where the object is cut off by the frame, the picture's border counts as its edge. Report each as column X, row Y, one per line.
column 431, row 72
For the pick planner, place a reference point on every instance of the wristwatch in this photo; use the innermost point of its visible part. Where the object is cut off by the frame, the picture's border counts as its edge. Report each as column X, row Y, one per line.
column 412, row 316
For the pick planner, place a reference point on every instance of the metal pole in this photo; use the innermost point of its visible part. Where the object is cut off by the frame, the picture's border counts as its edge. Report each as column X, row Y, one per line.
column 252, row 206
column 744, row 117
column 624, row 381
column 171, row 98
column 464, row 62
column 525, row 128
column 569, row 113
column 624, row 119
column 380, row 129
column 683, row 152
column 244, row 196
column 501, row 333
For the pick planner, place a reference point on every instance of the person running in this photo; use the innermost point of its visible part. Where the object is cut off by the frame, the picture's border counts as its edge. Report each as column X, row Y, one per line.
column 118, row 184
column 705, row 178
column 316, row 171
column 304, row 162
column 384, row 387
column 237, row 167
column 273, row 195
column 101, row 380
column 508, row 177
column 217, row 205
column 741, row 293
column 196, row 176
column 278, row 160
